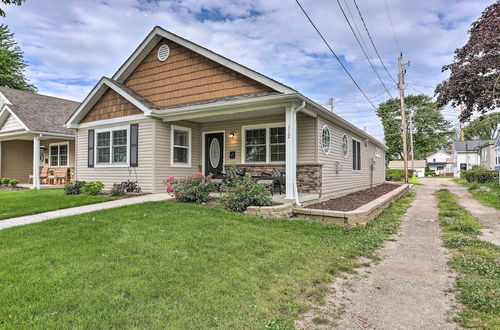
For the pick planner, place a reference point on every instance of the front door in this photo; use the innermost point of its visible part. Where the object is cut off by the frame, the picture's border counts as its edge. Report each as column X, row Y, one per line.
column 214, row 153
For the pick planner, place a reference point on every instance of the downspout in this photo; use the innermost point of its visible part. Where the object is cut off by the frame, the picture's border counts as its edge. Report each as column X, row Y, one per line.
column 294, row 148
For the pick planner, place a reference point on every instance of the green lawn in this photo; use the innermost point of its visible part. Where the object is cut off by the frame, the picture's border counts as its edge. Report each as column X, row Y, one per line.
column 170, row 265
column 25, row 202
column 478, row 261
column 488, row 198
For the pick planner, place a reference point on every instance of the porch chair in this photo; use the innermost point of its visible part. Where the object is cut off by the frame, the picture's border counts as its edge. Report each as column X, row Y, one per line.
column 61, row 175
column 272, row 180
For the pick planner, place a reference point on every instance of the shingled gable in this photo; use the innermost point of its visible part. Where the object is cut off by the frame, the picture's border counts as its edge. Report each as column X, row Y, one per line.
column 191, row 74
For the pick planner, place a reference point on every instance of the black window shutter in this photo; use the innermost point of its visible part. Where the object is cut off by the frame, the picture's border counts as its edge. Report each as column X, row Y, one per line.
column 359, row 155
column 353, row 154
column 90, row 149
column 134, row 150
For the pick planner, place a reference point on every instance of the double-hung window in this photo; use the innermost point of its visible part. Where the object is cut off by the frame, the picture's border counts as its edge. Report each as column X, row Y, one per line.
column 59, row 154
column 112, row 146
column 356, row 155
column 264, row 144
column 180, row 146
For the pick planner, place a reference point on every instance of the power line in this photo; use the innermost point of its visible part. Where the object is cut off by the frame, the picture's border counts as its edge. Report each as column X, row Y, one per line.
column 334, row 54
column 364, row 52
column 372, row 42
column 392, row 26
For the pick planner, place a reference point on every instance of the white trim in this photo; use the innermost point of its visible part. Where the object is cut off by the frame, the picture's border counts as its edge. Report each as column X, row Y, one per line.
column 144, row 48
column 268, row 145
column 4, row 99
column 185, row 129
column 6, row 108
column 203, row 149
column 111, row 164
column 95, row 95
column 58, row 154
column 329, row 143
column 112, row 121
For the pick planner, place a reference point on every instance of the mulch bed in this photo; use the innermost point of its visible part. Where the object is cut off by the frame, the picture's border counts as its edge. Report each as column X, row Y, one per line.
column 8, row 188
column 353, row 201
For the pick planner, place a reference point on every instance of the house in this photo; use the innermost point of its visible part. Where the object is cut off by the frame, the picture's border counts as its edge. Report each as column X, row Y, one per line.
column 418, row 166
column 33, row 136
column 466, row 155
column 175, row 108
column 441, row 162
column 497, row 153
column 487, row 154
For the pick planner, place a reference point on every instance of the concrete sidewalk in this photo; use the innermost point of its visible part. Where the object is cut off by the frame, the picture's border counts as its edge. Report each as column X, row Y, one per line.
column 27, row 219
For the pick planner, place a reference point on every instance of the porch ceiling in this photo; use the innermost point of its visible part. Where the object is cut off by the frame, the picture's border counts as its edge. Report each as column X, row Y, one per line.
column 237, row 115
column 29, row 136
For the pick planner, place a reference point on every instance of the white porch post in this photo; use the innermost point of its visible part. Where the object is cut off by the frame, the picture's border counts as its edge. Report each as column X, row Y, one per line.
column 290, row 164
column 36, row 162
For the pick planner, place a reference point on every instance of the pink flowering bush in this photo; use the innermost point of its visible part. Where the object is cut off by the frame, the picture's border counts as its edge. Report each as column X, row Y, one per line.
column 244, row 192
column 196, row 188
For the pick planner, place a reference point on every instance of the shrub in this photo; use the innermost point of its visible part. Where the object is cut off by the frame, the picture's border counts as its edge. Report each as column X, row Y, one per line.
column 13, row 182
column 131, row 186
column 117, row 190
column 243, row 192
column 92, row 188
column 480, row 175
column 5, row 181
column 73, row 188
column 429, row 172
column 196, row 188
column 392, row 174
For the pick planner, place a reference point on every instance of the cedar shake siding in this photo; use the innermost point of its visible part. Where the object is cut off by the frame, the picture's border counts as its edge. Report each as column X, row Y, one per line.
column 111, row 105
column 186, row 77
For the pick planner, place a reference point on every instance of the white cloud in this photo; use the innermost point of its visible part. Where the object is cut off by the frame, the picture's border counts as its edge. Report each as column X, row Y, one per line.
column 71, row 44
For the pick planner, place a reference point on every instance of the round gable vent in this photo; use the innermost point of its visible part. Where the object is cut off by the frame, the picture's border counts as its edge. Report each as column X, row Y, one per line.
column 163, row 52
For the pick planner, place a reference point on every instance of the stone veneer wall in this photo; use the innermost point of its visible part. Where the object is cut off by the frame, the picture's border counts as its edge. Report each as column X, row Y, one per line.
column 308, row 175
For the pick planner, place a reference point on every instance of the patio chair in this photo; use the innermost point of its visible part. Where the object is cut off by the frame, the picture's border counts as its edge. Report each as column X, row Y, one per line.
column 219, row 179
column 61, row 175
column 273, row 180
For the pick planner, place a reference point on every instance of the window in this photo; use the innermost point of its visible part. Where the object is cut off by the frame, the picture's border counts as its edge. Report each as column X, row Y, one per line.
column 326, row 139
column 440, row 168
column 112, row 146
column 181, row 146
column 356, row 155
column 345, row 146
column 264, row 144
column 278, row 144
column 58, row 154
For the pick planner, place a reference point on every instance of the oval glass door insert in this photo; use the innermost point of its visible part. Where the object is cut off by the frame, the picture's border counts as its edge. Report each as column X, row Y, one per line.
column 214, row 153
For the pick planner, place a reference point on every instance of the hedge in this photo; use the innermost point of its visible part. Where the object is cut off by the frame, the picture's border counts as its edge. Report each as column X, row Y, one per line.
column 480, row 175
column 392, row 174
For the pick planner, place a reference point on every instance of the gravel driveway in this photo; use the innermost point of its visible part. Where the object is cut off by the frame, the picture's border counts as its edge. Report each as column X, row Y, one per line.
column 407, row 289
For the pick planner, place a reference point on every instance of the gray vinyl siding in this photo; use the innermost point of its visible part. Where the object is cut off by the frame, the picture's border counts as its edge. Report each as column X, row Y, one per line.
column 347, row 179
column 16, row 160
column 163, row 168
column 109, row 175
column 306, row 138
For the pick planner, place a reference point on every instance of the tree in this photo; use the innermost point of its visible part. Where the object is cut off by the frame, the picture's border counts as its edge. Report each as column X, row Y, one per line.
column 430, row 130
column 475, row 71
column 10, row 2
column 12, row 62
column 483, row 128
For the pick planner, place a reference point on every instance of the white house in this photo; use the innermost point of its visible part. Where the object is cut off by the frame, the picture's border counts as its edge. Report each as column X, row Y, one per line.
column 441, row 162
column 418, row 166
column 466, row 155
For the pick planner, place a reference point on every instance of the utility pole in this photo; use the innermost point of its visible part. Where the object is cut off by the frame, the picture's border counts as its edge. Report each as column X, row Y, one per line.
column 401, row 86
column 411, row 140
column 330, row 103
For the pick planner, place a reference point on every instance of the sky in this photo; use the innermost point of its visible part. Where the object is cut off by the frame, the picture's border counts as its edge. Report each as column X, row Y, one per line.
column 71, row 44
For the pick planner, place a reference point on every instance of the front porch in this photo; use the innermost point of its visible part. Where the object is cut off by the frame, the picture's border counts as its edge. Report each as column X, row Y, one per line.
column 258, row 141
column 38, row 161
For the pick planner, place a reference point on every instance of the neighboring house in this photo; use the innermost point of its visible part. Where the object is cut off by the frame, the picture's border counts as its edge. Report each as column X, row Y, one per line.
column 487, row 155
column 32, row 134
column 418, row 166
column 175, row 108
column 466, row 155
column 497, row 154
column 441, row 162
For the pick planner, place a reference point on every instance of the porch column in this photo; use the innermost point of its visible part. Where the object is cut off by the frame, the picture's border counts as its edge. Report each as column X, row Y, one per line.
column 290, row 164
column 36, row 162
